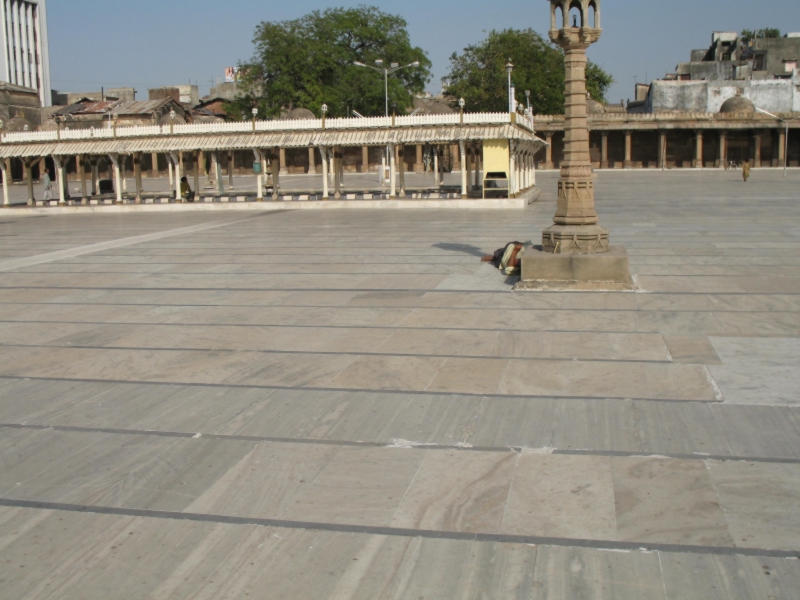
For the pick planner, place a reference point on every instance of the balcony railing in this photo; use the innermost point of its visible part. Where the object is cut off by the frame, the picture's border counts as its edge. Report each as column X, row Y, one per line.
column 122, row 131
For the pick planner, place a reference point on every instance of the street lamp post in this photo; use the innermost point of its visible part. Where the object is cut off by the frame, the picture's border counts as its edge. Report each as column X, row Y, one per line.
column 785, row 139
column 509, row 69
column 393, row 68
column 255, row 114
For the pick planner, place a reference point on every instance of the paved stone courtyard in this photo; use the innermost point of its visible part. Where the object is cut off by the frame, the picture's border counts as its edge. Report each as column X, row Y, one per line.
column 349, row 405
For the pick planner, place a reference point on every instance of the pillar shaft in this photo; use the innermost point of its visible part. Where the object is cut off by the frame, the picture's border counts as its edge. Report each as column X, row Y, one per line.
column 197, row 157
column 575, row 228
column 781, row 147
column 276, row 174
column 662, row 149
column 283, row 168
column 137, row 175
column 548, row 152
column 723, row 150
column 698, row 157
column 312, row 163
column 365, row 159
column 259, row 177
column 29, row 180
column 5, row 167
column 419, row 166
column 392, row 171
column 463, row 155
column 628, row 163
column 402, row 169
column 81, row 162
column 324, row 155
column 604, row 150
column 757, row 150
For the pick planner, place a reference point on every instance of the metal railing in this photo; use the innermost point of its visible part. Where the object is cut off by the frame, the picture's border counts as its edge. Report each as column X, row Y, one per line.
column 121, row 131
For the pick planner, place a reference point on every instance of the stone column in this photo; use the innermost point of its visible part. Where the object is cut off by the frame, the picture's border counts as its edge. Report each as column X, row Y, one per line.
column 323, row 151
column 337, row 178
column 512, row 170
column 137, row 175
column 698, row 146
column 576, row 229
column 154, row 165
column 284, row 170
column 29, row 179
column 81, row 160
column 5, row 167
column 463, row 157
column 118, row 177
column 312, row 166
column 757, row 150
column 276, row 175
column 95, row 176
column 419, row 166
column 662, row 149
column 60, row 167
column 723, row 150
column 628, row 162
column 197, row 156
column 365, row 159
column 401, row 151
column 603, row 149
column 477, row 168
column 781, row 147
column 548, row 152
column 392, row 171
column 259, row 176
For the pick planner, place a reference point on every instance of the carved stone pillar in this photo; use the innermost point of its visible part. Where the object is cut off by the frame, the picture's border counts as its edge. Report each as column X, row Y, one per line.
column 698, row 156
column 576, row 229
column 548, row 152
column 722, row 161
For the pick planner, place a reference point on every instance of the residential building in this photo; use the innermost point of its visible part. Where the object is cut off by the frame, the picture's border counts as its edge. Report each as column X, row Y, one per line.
column 26, row 57
column 763, row 70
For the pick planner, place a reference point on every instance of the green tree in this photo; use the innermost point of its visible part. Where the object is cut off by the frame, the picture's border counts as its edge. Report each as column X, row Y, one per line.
column 747, row 35
column 308, row 62
column 479, row 74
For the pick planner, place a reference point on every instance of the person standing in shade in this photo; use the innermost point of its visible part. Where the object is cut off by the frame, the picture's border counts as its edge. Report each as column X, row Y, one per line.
column 746, row 171
column 48, row 186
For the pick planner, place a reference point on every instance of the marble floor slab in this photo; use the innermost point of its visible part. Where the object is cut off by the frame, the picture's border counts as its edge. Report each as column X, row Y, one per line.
column 207, row 412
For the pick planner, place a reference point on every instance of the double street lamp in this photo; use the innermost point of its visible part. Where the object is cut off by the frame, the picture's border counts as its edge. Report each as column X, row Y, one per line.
column 393, row 68
column 380, row 68
column 786, row 137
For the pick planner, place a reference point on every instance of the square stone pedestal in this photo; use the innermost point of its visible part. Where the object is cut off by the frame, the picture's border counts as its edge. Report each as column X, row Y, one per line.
column 605, row 271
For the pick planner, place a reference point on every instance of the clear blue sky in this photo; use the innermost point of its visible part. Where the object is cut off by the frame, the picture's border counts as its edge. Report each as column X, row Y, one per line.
column 150, row 43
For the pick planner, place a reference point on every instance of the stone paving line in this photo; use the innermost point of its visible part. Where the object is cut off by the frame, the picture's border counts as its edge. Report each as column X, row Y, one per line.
column 389, row 419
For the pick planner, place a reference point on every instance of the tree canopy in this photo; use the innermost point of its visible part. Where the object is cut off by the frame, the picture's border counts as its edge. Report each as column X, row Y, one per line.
column 479, row 74
column 308, row 62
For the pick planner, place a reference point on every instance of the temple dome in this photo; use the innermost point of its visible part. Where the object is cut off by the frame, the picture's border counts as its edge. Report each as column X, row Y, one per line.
column 297, row 114
column 593, row 107
column 737, row 104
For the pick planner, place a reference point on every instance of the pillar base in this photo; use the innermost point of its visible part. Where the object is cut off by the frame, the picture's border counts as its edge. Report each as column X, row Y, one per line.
column 627, row 164
column 607, row 271
column 575, row 239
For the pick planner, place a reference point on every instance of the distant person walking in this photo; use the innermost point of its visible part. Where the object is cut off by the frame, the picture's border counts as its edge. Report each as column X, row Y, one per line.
column 48, row 186
column 746, row 171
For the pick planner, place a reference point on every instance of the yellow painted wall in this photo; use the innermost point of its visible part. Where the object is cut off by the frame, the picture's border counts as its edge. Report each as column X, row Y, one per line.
column 495, row 156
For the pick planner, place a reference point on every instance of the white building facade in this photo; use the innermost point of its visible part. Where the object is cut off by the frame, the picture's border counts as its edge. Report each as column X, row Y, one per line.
column 26, row 57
